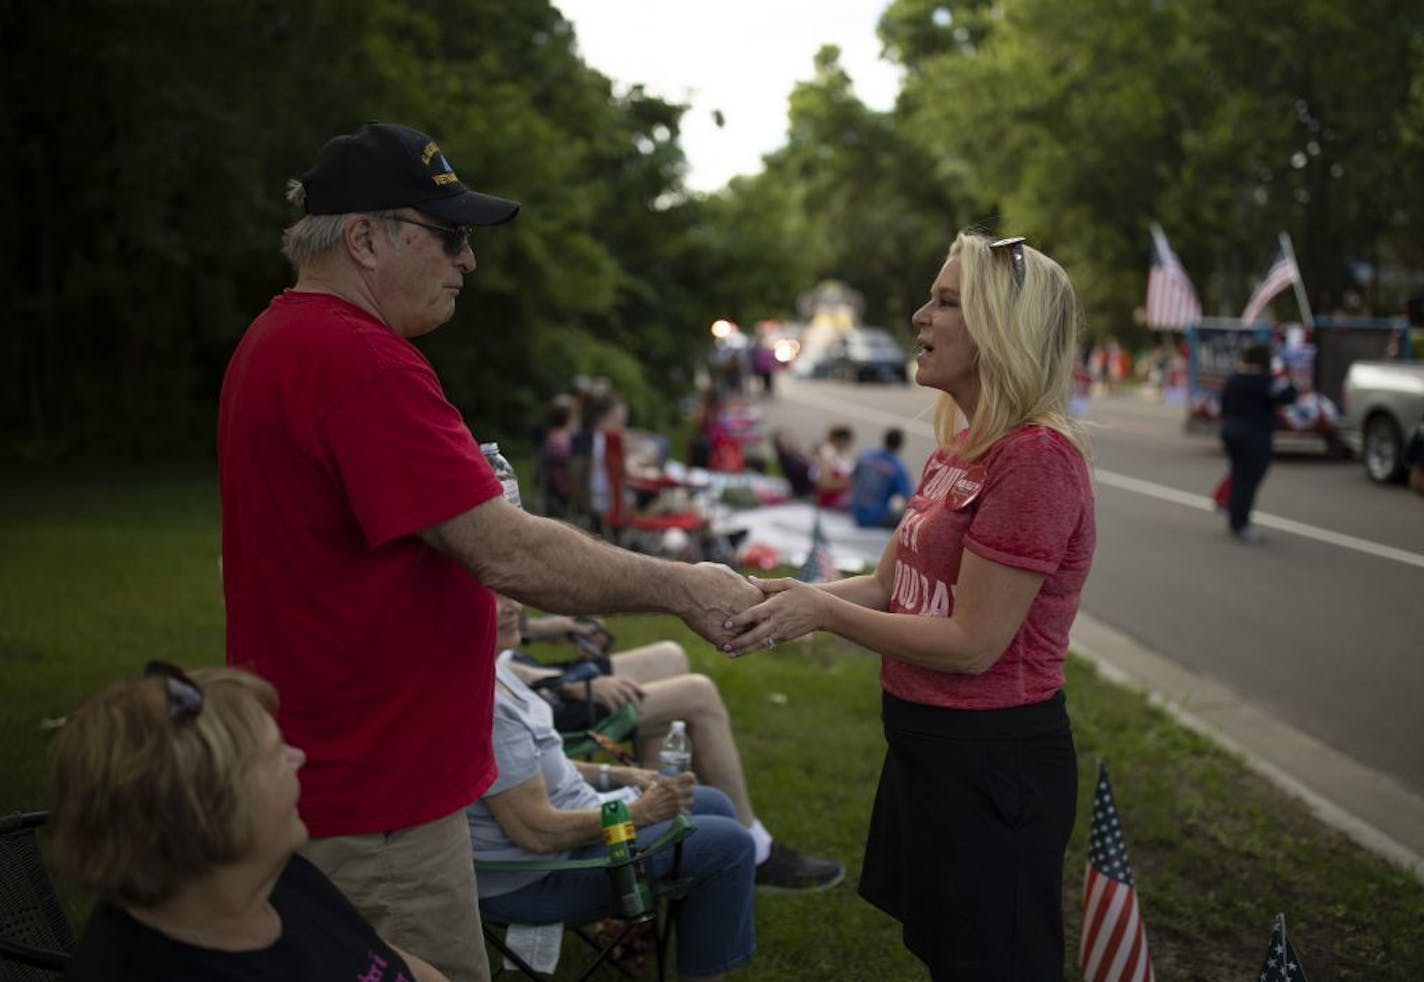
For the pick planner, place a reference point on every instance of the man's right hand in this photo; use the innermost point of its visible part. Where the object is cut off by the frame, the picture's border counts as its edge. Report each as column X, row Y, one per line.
column 664, row 798
column 715, row 593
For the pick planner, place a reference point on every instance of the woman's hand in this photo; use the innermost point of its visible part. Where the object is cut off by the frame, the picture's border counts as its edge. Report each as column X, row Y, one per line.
column 609, row 691
column 663, row 799
column 789, row 609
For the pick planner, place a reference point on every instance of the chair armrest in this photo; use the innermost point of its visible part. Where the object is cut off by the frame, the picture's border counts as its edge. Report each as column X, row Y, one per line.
column 22, row 821
column 679, row 828
column 534, row 865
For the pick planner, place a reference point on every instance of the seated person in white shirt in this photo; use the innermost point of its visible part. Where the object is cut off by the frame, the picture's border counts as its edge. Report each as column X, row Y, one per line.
column 659, row 679
column 542, row 805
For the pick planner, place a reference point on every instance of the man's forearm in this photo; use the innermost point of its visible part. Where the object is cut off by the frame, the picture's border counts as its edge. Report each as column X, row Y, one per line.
column 557, row 567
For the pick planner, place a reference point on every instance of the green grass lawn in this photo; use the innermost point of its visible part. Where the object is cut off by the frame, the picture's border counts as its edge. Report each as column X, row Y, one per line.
column 101, row 570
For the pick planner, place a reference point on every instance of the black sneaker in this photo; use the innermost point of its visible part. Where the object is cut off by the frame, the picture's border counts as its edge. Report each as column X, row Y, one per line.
column 787, row 869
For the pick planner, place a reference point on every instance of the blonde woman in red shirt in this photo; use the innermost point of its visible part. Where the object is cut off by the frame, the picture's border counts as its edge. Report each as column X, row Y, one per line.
column 969, row 609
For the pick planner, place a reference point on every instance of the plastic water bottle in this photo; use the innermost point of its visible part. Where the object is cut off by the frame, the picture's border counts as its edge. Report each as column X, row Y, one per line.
column 504, row 471
column 635, row 898
column 676, row 755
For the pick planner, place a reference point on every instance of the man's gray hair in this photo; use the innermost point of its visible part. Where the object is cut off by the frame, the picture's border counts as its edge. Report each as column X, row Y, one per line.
column 312, row 236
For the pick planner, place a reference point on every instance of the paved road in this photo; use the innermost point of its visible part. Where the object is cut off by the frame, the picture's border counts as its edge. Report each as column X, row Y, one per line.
column 1321, row 626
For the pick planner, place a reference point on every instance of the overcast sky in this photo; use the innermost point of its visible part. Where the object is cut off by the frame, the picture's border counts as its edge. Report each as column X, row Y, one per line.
column 738, row 56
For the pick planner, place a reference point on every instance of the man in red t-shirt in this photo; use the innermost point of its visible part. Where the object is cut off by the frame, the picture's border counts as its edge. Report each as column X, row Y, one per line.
column 363, row 532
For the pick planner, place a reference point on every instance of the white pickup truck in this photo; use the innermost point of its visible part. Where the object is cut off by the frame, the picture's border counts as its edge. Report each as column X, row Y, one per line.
column 1383, row 401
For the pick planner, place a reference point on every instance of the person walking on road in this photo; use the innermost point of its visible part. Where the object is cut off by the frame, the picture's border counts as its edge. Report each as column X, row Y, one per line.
column 364, row 532
column 1248, row 425
column 969, row 610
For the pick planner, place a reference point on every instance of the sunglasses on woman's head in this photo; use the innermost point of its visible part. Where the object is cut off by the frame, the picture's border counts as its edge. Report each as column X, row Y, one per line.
column 185, row 699
column 1015, row 249
column 453, row 238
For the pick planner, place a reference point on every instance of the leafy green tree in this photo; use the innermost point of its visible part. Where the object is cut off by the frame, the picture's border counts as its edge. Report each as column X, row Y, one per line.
column 858, row 196
column 1080, row 124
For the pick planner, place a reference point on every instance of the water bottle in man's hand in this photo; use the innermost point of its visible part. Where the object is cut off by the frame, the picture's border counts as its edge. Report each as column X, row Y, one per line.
column 676, row 755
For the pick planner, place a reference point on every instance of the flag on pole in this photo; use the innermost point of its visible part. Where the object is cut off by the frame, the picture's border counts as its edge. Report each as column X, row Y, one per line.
column 1281, row 963
column 819, row 567
column 1172, row 303
column 1114, row 944
column 1283, row 273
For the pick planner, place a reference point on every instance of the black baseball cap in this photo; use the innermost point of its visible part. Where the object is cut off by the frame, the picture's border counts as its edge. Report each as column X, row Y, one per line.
column 384, row 166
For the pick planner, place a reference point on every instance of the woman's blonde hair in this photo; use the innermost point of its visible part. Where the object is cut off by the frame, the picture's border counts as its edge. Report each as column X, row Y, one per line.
column 143, row 802
column 1026, row 333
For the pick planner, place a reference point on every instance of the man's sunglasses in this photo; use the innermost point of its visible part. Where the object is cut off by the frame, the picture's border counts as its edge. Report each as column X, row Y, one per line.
column 1015, row 249
column 454, row 238
column 185, row 699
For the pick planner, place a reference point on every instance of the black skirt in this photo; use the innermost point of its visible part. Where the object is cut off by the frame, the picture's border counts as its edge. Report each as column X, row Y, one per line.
column 966, row 843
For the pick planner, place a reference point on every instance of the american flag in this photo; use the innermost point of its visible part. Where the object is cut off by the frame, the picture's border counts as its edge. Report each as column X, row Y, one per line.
column 1172, row 304
column 1114, row 947
column 1282, row 964
column 819, row 567
column 1283, row 273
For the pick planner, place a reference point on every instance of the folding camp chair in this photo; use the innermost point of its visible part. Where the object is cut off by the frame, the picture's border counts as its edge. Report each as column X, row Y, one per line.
column 35, row 936
column 632, row 529
column 667, row 893
column 620, row 726
column 595, row 735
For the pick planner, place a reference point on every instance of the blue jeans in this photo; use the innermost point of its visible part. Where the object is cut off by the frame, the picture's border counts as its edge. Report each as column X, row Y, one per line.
column 716, row 930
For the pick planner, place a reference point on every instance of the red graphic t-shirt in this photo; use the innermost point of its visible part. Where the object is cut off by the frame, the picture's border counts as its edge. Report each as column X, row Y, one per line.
column 1027, row 503
column 336, row 445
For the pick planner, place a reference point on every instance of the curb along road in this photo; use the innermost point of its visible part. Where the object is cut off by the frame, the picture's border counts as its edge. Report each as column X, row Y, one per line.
column 1371, row 808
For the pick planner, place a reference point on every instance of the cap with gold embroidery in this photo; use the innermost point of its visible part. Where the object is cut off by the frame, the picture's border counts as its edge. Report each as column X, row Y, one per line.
column 384, row 166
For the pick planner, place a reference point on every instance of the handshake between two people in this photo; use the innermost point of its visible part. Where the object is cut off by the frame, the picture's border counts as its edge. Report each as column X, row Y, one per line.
column 739, row 614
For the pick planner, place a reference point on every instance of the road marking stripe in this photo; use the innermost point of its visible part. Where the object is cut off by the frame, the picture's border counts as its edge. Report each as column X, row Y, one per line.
column 1202, row 503
column 923, row 425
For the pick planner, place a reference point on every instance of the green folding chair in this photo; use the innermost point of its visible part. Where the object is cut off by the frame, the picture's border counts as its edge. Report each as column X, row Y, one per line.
column 667, row 893
column 620, row 726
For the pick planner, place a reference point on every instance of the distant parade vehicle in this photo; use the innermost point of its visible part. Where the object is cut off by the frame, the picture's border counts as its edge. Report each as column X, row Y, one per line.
column 1315, row 360
column 1383, row 402
column 866, row 354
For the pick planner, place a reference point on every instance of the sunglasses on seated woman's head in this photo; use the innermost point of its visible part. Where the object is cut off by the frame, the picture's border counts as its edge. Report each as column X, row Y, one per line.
column 185, row 699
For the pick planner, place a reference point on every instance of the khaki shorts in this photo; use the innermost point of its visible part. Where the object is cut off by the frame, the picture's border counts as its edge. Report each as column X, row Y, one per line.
column 417, row 888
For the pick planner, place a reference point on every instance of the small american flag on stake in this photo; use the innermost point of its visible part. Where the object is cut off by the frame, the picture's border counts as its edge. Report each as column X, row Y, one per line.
column 819, row 567
column 1281, row 964
column 1114, row 947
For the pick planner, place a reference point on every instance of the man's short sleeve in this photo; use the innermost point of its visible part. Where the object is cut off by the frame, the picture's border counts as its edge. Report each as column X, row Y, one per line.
column 405, row 457
column 1032, row 502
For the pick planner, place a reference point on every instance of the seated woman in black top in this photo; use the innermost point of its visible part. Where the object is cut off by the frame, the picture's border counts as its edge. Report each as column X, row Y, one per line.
column 176, row 803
